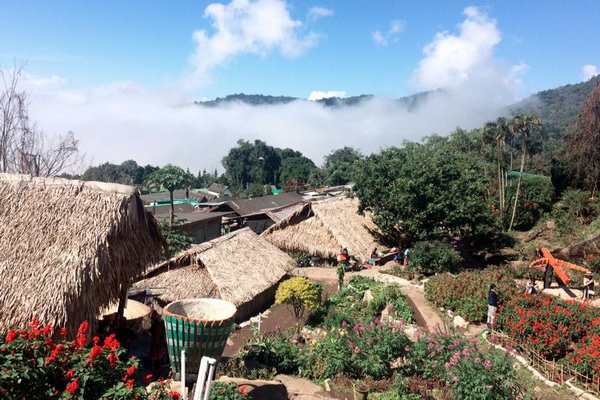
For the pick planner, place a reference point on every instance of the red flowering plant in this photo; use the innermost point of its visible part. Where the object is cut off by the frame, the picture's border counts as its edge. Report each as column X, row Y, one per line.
column 466, row 293
column 34, row 365
column 560, row 330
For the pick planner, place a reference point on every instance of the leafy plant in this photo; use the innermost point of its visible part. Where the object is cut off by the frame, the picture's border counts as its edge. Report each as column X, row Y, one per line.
column 176, row 237
column 433, row 257
column 300, row 294
column 227, row 391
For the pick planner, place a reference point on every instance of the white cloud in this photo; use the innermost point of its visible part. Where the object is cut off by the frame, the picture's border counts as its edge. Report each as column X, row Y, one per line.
column 319, row 12
column 126, row 120
column 397, row 26
column 451, row 60
column 589, row 71
column 378, row 38
column 242, row 27
column 318, row 95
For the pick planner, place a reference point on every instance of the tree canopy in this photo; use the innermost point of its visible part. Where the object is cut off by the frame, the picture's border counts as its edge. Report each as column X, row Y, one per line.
column 425, row 191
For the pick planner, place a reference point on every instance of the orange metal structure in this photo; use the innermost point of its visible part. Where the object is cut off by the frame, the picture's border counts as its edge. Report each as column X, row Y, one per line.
column 557, row 265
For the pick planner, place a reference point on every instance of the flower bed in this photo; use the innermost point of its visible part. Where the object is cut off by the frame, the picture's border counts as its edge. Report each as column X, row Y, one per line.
column 347, row 337
column 564, row 331
column 35, row 366
column 466, row 293
column 557, row 329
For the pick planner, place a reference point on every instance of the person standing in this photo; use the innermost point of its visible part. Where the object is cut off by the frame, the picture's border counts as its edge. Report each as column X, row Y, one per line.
column 588, row 287
column 531, row 288
column 492, row 306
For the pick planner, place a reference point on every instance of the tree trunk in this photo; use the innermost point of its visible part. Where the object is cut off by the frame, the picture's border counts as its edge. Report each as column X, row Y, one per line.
column 514, row 211
column 500, row 190
column 172, row 211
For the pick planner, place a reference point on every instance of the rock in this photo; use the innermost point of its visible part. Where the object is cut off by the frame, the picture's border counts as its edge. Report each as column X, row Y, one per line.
column 367, row 297
column 259, row 389
column 460, row 322
column 551, row 224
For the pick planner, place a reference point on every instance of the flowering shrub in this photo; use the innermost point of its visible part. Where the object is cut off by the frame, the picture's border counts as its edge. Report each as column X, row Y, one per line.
column 470, row 370
column 356, row 351
column 466, row 293
column 33, row 365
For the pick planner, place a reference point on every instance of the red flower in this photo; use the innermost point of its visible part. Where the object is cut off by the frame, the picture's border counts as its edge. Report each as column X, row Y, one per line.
column 130, row 371
column 174, row 395
column 96, row 350
column 113, row 358
column 148, row 378
column 129, row 384
column 69, row 374
column 12, row 335
column 63, row 331
column 73, row 386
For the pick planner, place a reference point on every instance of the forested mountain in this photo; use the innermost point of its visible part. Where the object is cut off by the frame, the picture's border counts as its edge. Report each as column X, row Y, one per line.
column 259, row 100
column 558, row 107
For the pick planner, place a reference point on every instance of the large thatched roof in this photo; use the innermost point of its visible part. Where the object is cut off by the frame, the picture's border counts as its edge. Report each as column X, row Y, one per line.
column 67, row 247
column 235, row 267
column 322, row 227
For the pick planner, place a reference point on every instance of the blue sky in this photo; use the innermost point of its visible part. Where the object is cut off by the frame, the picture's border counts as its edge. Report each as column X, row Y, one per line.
column 87, row 62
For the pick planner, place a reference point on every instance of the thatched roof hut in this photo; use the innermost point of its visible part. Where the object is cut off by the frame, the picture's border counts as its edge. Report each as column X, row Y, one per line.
column 69, row 248
column 239, row 267
column 322, row 227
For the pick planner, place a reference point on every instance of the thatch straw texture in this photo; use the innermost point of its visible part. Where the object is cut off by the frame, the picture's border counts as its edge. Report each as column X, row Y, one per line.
column 68, row 247
column 322, row 227
column 238, row 267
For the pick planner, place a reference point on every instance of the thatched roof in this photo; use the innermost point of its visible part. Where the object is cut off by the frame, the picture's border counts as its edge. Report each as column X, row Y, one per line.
column 67, row 247
column 322, row 227
column 235, row 267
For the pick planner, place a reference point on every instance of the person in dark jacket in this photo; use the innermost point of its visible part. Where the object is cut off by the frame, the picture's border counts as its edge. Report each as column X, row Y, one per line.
column 492, row 306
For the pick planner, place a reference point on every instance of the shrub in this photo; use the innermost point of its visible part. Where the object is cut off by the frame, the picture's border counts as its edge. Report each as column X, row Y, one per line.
column 429, row 258
column 300, row 293
column 535, row 198
column 356, row 351
column 35, row 366
column 470, row 369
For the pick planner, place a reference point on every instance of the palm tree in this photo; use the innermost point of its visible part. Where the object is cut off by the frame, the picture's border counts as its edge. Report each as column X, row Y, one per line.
column 171, row 178
column 526, row 128
column 498, row 132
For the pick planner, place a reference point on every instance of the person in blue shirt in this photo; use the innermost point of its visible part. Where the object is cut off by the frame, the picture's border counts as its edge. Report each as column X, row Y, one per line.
column 492, row 306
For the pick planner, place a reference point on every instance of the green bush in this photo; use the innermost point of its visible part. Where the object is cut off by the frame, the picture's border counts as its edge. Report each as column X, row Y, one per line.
column 429, row 258
column 535, row 199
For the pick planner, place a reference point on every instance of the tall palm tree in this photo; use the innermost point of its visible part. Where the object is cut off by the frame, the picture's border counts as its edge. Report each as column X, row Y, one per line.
column 527, row 128
column 498, row 133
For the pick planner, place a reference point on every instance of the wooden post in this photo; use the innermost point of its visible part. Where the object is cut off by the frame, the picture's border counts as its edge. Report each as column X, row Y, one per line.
column 122, row 302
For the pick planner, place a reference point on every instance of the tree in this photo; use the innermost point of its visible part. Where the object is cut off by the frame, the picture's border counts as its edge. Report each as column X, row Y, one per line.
column 340, row 165
column 297, row 168
column 583, row 142
column 300, row 294
column 498, row 133
column 24, row 148
column 424, row 192
column 251, row 163
column 526, row 128
column 170, row 178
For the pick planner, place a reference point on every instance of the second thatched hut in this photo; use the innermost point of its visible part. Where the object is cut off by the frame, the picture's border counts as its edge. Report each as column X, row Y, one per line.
column 240, row 267
column 322, row 227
